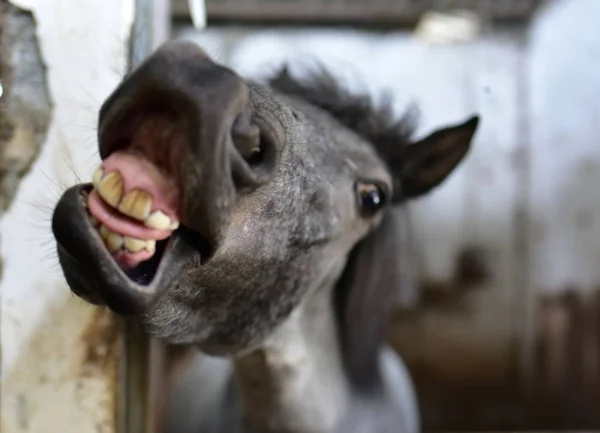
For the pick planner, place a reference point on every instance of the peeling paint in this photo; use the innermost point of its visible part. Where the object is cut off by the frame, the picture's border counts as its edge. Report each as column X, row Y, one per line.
column 25, row 107
column 60, row 356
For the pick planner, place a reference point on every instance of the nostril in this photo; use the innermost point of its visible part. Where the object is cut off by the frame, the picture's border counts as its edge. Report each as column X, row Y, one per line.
column 246, row 137
column 256, row 157
column 252, row 157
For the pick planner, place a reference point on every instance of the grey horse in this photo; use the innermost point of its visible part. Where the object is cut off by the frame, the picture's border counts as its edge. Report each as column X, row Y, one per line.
column 259, row 222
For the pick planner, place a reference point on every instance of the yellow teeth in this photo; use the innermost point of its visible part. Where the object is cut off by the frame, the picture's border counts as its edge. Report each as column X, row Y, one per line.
column 114, row 242
column 158, row 220
column 136, row 203
column 151, row 245
column 111, row 188
column 134, row 245
column 97, row 176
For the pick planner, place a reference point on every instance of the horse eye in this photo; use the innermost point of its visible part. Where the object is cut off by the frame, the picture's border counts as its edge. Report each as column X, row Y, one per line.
column 370, row 198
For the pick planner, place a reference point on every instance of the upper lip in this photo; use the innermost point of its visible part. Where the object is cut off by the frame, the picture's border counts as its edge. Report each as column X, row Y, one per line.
column 79, row 244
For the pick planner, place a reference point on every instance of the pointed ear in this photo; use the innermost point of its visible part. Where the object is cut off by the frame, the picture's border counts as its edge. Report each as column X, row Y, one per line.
column 365, row 296
column 425, row 164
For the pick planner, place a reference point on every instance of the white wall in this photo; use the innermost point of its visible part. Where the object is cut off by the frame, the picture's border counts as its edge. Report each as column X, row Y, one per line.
column 51, row 382
column 564, row 85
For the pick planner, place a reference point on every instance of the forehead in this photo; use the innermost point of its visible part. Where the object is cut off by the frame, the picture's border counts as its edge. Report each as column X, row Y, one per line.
column 322, row 142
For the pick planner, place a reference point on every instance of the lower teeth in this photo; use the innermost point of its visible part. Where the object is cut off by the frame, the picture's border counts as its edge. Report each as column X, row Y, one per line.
column 115, row 242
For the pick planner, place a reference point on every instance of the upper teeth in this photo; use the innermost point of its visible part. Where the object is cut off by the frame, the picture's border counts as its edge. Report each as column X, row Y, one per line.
column 136, row 203
column 111, row 188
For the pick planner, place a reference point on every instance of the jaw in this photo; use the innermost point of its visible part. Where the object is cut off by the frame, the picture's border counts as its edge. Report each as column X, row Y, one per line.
column 93, row 274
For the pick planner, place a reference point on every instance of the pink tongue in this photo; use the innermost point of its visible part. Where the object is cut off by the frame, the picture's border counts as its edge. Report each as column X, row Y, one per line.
column 141, row 174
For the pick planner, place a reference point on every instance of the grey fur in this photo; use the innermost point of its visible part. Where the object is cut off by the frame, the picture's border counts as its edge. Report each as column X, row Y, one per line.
column 300, row 277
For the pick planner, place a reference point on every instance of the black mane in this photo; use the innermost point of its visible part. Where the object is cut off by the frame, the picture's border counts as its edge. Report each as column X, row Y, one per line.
column 379, row 125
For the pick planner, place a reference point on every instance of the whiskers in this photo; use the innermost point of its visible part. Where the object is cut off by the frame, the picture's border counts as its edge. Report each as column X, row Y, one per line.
column 65, row 172
column 38, row 222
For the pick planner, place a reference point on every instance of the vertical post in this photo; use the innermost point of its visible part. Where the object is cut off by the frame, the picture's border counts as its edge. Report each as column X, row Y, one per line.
column 141, row 397
column 2, row 115
column 524, row 295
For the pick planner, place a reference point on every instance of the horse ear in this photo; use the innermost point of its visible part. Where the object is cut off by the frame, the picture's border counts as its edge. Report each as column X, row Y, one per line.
column 366, row 294
column 424, row 165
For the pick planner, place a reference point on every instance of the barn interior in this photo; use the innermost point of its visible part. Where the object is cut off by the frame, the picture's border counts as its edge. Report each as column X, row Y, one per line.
column 499, row 324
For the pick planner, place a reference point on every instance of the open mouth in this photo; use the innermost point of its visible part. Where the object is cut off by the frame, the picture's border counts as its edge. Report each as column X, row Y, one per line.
column 179, row 132
column 120, row 241
column 133, row 206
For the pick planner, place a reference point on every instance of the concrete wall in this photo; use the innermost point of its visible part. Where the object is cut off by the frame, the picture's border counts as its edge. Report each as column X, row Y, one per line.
column 59, row 356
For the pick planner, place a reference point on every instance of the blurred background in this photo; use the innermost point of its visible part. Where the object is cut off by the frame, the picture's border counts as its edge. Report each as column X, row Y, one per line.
column 501, row 320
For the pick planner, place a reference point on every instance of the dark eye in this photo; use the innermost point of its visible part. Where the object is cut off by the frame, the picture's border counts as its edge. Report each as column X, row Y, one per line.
column 370, row 197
